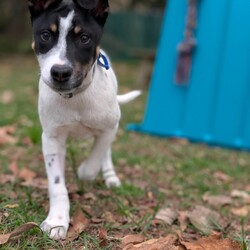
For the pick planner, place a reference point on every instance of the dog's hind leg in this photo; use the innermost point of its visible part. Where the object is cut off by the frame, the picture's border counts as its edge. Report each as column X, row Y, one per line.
column 89, row 169
column 57, row 221
column 108, row 172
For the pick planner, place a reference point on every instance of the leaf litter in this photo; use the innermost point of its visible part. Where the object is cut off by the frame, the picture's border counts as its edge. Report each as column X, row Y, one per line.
column 5, row 238
column 7, row 135
column 203, row 219
column 78, row 224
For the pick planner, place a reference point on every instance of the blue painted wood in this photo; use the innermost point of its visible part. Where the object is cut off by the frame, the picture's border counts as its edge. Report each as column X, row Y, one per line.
column 215, row 106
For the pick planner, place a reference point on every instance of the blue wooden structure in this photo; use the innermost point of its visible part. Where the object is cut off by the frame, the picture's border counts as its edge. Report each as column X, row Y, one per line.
column 215, row 106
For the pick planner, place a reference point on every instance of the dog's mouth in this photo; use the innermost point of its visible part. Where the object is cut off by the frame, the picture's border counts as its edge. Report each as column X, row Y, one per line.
column 65, row 87
column 78, row 82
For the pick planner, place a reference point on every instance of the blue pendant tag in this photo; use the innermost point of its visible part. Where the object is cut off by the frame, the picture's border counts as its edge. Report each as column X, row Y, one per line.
column 103, row 61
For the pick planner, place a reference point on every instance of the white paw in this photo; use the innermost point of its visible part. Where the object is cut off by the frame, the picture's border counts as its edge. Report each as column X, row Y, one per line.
column 56, row 230
column 113, row 181
column 87, row 172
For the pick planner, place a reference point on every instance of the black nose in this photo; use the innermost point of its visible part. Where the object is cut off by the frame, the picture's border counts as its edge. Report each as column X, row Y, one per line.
column 61, row 73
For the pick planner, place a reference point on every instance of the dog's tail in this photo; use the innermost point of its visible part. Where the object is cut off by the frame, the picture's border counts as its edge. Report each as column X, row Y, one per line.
column 130, row 96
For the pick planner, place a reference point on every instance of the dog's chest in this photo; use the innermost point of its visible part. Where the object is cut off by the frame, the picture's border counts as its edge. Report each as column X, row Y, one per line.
column 79, row 117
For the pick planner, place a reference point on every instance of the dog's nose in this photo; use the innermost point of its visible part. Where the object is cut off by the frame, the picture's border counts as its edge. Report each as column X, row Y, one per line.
column 61, row 73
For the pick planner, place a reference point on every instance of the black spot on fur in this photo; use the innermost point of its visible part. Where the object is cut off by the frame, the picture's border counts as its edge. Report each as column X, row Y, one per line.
column 57, row 180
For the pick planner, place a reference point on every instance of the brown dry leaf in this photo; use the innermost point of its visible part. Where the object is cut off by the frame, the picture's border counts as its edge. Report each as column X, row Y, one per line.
column 131, row 239
column 183, row 220
column 90, row 196
column 40, row 183
column 78, row 224
column 103, row 238
column 109, row 217
column 26, row 174
column 179, row 141
column 220, row 176
column 213, row 242
column 168, row 243
column 217, row 200
column 247, row 188
column 241, row 212
column 205, row 219
column 13, row 167
column 5, row 238
column 5, row 178
column 6, row 135
column 7, row 97
column 241, row 194
column 168, row 215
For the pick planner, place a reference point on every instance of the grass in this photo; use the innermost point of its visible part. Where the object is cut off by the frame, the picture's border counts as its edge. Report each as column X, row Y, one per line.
column 154, row 171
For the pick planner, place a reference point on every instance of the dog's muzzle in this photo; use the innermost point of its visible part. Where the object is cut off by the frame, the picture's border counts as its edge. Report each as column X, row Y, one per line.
column 61, row 73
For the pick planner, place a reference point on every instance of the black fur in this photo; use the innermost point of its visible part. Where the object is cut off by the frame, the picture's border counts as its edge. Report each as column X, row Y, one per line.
column 37, row 7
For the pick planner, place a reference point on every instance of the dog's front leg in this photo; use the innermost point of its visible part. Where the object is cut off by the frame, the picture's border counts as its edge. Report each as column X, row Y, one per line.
column 89, row 169
column 57, row 221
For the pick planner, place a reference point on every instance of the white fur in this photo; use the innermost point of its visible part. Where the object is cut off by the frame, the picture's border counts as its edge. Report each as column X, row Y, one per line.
column 92, row 112
column 123, row 99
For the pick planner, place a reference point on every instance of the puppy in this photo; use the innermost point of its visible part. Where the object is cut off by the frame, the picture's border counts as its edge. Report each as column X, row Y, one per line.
column 77, row 95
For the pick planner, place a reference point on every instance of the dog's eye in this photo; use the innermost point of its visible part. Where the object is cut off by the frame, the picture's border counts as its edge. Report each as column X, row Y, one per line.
column 85, row 39
column 45, row 36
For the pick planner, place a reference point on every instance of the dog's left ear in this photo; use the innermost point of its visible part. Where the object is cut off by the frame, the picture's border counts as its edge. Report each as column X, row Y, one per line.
column 36, row 7
column 98, row 8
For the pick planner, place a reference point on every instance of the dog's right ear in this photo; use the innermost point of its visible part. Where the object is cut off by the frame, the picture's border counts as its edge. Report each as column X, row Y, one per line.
column 36, row 7
column 98, row 8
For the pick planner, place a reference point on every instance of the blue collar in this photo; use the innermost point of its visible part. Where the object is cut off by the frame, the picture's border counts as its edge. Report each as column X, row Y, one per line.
column 103, row 61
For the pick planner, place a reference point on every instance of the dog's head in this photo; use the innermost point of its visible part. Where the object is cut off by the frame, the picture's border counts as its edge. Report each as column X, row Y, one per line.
column 66, row 39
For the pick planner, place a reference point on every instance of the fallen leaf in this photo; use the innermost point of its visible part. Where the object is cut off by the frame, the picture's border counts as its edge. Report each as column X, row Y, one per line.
column 247, row 188
column 242, row 162
column 241, row 194
column 167, row 215
column 168, row 243
column 131, row 239
column 11, row 206
column 103, row 238
column 26, row 174
column 109, row 217
column 5, row 238
column 79, row 221
column 220, row 176
column 40, row 183
column 72, row 188
column 213, row 242
column 179, row 141
column 7, row 97
column 217, row 200
column 183, row 220
column 205, row 219
column 241, row 212
column 96, row 220
column 13, row 167
column 78, row 224
column 188, row 236
column 6, row 135
column 5, row 178
column 90, row 196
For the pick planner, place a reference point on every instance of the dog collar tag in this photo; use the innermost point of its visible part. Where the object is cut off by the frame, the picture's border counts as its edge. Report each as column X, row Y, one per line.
column 103, row 61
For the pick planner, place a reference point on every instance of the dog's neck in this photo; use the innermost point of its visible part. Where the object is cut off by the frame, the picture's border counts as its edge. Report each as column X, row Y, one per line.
column 101, row 61
column 86, row 82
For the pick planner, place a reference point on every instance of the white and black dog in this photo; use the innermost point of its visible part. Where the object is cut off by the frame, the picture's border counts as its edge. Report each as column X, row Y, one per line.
column 77, row 95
